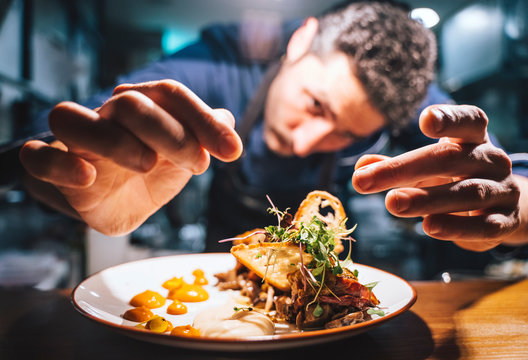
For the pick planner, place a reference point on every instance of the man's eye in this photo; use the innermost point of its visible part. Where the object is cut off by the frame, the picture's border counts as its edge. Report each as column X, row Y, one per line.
column 316, row 107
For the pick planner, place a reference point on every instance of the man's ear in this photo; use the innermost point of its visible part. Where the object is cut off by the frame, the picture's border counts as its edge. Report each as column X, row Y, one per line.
column 301, row 39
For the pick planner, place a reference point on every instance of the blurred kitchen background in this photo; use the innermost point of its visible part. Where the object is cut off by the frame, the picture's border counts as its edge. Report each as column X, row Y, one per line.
column 53, row 50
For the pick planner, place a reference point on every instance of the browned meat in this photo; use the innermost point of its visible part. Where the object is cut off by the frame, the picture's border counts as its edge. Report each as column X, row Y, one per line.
column 307, row 320
column 350, row 319
column 342, row 301
column 284, row 308
column 341, row 295
column 345, row 300
column 349, row 286
column 251, row 289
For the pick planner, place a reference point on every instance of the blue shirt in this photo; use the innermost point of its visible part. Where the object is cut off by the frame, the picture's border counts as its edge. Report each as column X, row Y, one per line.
column 218, row 71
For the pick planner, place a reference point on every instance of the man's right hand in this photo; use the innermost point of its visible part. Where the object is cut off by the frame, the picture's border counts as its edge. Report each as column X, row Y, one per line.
column 115, row 166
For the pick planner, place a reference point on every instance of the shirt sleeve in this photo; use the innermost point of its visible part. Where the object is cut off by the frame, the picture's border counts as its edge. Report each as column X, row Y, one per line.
column 520, row 163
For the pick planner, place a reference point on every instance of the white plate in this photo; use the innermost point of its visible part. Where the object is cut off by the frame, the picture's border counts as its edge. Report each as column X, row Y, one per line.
column 104, row 297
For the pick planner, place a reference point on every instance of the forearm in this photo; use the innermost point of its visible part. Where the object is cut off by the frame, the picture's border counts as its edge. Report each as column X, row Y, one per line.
column 520, row 236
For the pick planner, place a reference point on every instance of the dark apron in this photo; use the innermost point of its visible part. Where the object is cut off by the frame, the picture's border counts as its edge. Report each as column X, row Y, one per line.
column 234, row 206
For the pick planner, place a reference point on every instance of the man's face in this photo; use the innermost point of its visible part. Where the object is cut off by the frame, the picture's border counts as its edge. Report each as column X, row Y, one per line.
column 317, row 105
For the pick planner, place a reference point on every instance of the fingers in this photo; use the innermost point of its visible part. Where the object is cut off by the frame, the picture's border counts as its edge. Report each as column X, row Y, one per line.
column 157, row 129
column 477, row 233
column 465, row 195
column 444, row 159
column 369, row 159
column 135, row 126
column 462, row 186
column 56, row 166
column 85, row 130
column 462, row 123
column 212, row 128
column 48, row 194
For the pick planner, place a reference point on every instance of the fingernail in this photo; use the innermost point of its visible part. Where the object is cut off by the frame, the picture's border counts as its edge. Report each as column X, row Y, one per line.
column 226, row 117
column 438, row 123
column 364, row 177
column 148, row 160
column 403, row 201
column 228, row 145
column 433, row 229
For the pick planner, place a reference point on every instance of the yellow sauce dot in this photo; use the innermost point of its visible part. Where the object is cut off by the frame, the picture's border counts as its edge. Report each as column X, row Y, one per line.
column 149, row 299
column 159, row 324
column 173, row 283
column 185, row 330
column 199, row 277
column 200, row 280
column 177, row 308
column 138, row 314
column 189, row 293
column 198, row 273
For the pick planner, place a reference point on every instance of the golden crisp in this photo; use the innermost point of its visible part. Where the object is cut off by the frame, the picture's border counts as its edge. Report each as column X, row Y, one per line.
column 271, row 261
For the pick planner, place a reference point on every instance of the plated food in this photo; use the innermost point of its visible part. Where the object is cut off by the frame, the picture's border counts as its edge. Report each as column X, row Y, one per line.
column 281, row 286
column 292, row 272
column 105, row 296
column 288, row 273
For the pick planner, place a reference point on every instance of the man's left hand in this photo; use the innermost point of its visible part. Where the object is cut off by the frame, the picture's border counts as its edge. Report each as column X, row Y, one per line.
column 462, row 186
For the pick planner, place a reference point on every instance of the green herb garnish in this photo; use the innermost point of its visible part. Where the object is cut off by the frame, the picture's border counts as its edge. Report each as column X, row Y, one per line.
column 370, row 286
column 373, row 311
column 318, row 240
column 318, row 311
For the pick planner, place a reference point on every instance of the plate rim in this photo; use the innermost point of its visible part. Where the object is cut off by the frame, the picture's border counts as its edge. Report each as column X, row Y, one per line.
column 319, row 334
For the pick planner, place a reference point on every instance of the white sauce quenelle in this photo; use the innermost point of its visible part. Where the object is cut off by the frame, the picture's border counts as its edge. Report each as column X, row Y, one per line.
column 225, row 322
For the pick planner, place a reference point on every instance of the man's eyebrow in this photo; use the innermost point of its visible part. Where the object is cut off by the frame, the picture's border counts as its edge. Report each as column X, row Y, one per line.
column 322, row 97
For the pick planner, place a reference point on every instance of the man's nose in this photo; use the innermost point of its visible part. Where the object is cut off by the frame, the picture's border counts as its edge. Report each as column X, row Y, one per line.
column 308, row 134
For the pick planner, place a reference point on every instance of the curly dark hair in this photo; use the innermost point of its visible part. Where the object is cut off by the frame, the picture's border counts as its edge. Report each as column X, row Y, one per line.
column 392, row 55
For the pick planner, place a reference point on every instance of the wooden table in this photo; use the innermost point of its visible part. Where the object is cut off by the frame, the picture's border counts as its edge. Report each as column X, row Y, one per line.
column 479, row 319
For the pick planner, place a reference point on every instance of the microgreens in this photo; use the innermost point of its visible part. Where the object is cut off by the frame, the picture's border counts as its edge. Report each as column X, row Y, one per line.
column 317, row 239
column 371, row 286
column 318, row 311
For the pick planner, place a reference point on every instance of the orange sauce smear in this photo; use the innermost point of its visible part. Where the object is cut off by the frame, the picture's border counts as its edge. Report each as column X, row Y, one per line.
column 182, row 291
column 173, row 283
column 149, row 299
column 138, row 314
column 179, row 292
column 199, row 277
column 177, row 308
column 185, row 330
column 188, row 293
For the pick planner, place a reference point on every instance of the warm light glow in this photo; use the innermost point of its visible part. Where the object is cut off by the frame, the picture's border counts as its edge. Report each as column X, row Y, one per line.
column 428, row 17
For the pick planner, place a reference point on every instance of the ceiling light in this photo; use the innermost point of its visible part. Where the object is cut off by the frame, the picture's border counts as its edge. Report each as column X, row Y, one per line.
column 428, row 17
